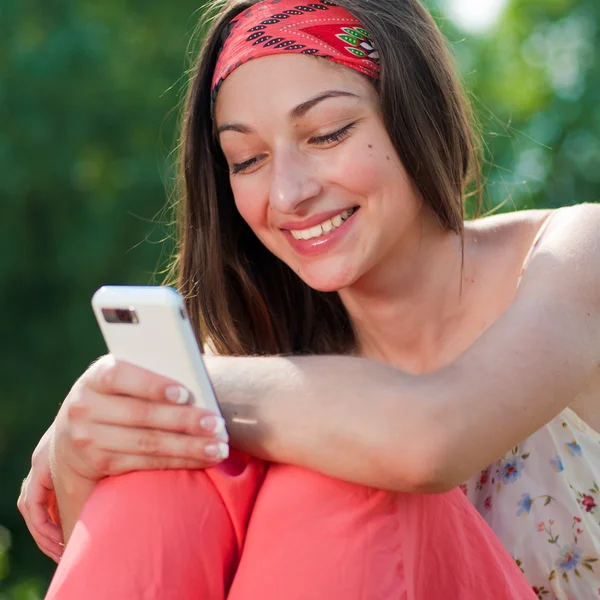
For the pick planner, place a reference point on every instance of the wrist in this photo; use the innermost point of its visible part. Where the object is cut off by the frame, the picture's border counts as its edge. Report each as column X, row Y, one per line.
column 71, row 492
column 67, row 481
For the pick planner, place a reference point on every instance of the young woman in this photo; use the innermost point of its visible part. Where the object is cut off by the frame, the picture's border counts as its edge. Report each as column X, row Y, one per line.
column 326, row 156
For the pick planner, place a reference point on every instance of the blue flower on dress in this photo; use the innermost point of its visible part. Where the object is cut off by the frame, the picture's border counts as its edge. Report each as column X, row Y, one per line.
column 570, row 557
column 524, row 504
column 557, row 464
column 511, row 470
column 573, row 448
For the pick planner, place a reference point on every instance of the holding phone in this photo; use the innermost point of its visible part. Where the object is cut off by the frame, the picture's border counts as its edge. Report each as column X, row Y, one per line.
column 148, row 326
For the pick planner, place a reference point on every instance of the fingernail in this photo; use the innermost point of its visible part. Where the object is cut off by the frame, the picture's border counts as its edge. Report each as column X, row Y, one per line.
column 218, row 451
column 215, row 425
column 177, row 394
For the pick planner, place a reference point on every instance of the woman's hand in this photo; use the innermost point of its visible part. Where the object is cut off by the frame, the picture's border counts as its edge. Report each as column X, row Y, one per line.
column 117, row 418
column 37, row 501
column 120, row 418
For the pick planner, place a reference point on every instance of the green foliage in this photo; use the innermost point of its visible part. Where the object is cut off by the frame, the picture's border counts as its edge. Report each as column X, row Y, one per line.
column 535, row 84
column 88, row 96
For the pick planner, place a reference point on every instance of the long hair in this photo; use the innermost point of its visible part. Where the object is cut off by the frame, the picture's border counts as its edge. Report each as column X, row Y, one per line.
column 239, row 295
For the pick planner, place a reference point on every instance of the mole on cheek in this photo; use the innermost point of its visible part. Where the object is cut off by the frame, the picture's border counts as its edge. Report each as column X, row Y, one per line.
column 387, row 157
column 370, row 146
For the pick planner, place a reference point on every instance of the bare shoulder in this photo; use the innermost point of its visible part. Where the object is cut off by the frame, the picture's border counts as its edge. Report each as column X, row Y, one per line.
column 575, row 229
column 509, row 227
column 572, row 245
column 505, row 239
column 567, row 260
column 570, row 229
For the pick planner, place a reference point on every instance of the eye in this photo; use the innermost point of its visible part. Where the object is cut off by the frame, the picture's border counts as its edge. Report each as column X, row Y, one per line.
column 336, row 136
column 244, row 166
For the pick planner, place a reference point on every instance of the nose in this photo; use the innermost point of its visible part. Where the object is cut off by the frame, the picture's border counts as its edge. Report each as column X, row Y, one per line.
column 294, row 180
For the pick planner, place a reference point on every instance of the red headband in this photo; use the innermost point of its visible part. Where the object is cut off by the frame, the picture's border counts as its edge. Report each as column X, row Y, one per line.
column 320, row 28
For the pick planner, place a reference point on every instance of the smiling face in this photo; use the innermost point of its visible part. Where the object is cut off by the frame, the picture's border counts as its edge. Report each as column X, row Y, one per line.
column 312, row 168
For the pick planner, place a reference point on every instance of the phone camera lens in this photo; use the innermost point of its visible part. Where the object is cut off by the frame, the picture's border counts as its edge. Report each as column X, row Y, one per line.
column 123, row 316
column 120, row 315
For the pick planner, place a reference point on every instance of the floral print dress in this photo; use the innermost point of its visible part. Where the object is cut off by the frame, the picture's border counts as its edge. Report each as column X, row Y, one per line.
column 541, row 499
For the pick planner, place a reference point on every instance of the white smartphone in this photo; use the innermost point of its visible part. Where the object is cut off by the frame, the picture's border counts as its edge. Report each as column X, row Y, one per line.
column 148, row 326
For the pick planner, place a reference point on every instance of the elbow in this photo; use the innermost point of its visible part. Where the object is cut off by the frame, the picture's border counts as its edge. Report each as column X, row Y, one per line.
column 430, row 467
column 422, row 479
column 432, row 480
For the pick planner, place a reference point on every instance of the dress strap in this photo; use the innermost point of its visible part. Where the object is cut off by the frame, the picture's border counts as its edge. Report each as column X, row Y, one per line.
column 537, row 240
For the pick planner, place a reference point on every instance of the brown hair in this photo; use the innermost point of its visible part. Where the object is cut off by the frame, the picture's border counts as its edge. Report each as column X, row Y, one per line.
column 240, row 296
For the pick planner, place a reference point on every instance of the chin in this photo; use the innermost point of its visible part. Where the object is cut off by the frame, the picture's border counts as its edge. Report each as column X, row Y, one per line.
column 327, row 280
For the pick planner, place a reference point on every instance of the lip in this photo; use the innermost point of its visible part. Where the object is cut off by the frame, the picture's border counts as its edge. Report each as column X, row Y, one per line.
column 312, row 221
column 324, row 243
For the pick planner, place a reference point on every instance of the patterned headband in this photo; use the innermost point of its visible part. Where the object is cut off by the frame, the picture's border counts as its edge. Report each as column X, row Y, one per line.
column 321, row 28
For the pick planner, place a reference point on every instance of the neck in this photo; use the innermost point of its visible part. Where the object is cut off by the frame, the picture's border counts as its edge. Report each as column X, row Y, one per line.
column 410, row 310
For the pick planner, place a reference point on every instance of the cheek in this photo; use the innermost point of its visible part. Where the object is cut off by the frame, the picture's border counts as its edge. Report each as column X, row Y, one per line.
column 252, row 204
column 368, row 167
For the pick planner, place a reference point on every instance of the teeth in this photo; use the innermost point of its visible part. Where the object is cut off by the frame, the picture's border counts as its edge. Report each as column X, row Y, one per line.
column 325, row 227
column 316, row 231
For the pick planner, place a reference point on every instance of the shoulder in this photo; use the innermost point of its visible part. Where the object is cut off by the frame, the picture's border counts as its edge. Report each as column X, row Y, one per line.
column 512, row 227
column 575, row 227
column 568, row 229
column 568, row 256
column 504, row 240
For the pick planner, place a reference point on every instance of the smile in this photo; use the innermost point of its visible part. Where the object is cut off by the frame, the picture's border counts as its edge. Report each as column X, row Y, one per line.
column 325, row 227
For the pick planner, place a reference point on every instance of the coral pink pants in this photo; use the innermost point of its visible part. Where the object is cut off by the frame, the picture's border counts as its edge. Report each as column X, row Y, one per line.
column 247, row 530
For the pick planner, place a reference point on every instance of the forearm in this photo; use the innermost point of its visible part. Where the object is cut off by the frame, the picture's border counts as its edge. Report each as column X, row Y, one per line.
column 335, row 415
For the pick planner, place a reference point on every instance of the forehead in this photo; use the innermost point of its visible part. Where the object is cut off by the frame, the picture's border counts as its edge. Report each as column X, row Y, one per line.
column 277, row 84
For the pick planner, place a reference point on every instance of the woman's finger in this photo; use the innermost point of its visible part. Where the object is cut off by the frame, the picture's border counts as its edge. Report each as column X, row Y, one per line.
column 135, row 412
column 154, row 443
column 46, row 544
column 40, row 519
column 49, row 548
column 36, row 501
column 32, row 504
column 109, row 376
column 125, row 463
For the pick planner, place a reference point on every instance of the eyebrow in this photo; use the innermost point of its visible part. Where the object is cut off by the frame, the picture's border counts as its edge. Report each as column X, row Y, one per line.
column 296, row 113
column 303, row 108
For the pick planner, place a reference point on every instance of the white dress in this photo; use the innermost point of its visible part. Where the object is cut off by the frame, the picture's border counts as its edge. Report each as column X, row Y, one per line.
column 541, row 499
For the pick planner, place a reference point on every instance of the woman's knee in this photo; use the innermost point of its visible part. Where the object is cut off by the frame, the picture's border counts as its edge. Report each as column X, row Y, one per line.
column 150, row 534
column 151, row 503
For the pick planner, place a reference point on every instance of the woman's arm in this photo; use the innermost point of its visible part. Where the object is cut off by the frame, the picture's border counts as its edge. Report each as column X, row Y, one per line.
column 362, row 421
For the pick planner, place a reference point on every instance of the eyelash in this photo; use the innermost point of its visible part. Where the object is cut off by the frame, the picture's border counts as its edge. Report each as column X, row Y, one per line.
column 239, row 167
column 336, row 136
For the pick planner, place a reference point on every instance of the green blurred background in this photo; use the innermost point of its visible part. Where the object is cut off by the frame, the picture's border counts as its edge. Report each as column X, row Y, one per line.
column 89, row 92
